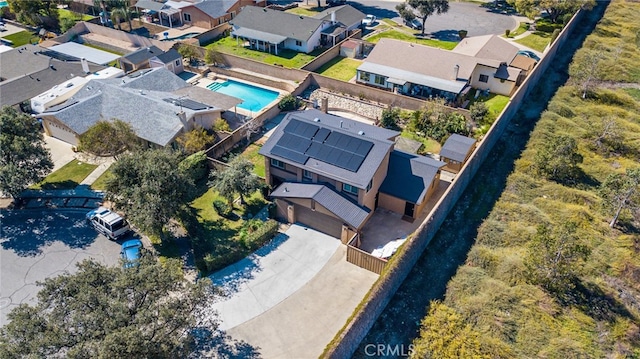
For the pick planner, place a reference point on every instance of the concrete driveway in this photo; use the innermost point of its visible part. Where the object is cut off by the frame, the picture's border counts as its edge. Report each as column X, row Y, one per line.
column 290, row 298
column 39, row 244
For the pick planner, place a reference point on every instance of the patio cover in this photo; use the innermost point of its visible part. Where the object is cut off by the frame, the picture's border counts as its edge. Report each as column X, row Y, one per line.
column 396, row 81
column 258, row 35
column 150, row 5
column 413, row 77
column 78, row 50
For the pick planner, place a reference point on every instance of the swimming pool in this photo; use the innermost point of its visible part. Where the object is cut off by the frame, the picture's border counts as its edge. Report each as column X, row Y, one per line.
column 3, row 4
column 254, row 98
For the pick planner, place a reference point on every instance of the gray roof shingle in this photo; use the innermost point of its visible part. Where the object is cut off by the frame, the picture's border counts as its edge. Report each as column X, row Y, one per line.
column 276, row 22
column 337, row 204
column 409, row 176
column 142, row 55
column 169, row 56
column 345, row 14
column 381, row 138
column 215, row 8
column 457, row 147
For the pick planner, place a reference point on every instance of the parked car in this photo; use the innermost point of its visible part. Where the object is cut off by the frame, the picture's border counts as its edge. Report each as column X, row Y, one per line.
column 336, row 2
column 414, row 24
column 108, row 223
column 530, row 54
column 130, row 253
column 369, row 20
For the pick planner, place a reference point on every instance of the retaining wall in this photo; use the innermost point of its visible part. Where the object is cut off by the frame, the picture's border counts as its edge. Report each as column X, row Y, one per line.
column 348, row 339
column 84, row 27
column 210, row 35
column 330, row 54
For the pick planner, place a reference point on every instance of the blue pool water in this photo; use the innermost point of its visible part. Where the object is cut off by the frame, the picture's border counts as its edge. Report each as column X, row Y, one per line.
column 3, row 4
column 255, row 98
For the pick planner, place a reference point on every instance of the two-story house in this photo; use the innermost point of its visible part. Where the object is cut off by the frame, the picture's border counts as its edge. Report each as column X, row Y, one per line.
column 330, row 172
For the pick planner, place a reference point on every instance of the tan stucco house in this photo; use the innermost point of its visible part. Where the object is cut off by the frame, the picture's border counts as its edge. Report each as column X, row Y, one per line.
column 330, row 173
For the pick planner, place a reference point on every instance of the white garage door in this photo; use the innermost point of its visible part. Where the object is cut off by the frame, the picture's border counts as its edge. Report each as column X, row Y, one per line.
column 61, row 133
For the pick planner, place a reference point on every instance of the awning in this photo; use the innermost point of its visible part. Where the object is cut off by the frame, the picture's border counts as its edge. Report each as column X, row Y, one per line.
column 258, row 35
column 396, row 81
column 150, row 5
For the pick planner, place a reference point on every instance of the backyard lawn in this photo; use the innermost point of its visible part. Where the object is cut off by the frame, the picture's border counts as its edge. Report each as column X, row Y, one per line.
column 67, row 14
column 286, row 58
column 251, row 153
column 340, row 68
column 67, row 177
column 311, row 12
column 537, row 40
column 496, row 103
column 400, row 35
column 22, row 38
column 428, row 144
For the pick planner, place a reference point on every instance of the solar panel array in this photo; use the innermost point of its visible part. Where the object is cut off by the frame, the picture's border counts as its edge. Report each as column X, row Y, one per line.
column 301, row 141
column 187, row 103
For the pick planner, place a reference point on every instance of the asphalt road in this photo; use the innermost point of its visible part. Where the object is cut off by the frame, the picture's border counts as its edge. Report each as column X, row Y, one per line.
column 473, row 17
column 38, row 244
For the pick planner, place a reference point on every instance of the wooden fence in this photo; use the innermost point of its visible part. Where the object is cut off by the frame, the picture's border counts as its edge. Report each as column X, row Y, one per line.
column 363, row 259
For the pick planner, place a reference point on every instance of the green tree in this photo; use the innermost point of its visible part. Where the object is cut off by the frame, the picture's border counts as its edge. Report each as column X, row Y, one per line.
column 445, row 335
column 117, row 15
column 213, row 57
column 405, row 12
column 426, row 8
column 621, row 191
column 35, row 12
column 66, row 24
column 554, row 257
column 438, row 121
column 108, row 138
column 558, row 158
column 555, row 8
column 24, row 159
column 188, row 51
column 478, row 112
column 195, row 140
column 149, row 311
column 237, row 178
column 389, row 118
column 150, row 187
column 585, row 70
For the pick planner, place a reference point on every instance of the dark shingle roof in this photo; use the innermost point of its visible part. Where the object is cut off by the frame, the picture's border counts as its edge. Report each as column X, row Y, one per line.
column 345, row 14
column 169, row 56
column 334, row 202
column 276, row 22
column 409, row 176
column 215, row 8
column 457, row 147
column 142, row 55
column 21, row 61
column 382, row 140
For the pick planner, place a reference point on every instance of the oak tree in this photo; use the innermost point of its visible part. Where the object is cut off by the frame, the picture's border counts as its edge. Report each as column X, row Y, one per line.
column 426, row 8
column 237, row 178
column 108, row 138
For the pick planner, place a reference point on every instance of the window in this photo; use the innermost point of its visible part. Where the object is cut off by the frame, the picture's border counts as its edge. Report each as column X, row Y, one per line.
column 365, row 76
column 484, row 78
column 177, row 62
column 370, row 185
column 306, row 174
column 380, row 80
column 276, row 163
column 187, row 17
column 298, row 43
column 350, row 189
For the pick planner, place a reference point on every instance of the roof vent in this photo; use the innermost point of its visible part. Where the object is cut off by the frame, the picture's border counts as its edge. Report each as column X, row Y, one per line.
column 316, row 120
column 141, row 92
column 286, row 189
column 361, row 133
column 301, row 17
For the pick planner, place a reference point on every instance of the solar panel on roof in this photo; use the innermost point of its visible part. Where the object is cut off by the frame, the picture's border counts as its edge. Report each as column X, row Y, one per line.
column 187, row 103
column 343, row 160
column 363, row 148
column 354, row 163
column 62, row 106
column 294, row 143
column 289, row 154
column 314, row 149
column 301, row 129
column 321, row 135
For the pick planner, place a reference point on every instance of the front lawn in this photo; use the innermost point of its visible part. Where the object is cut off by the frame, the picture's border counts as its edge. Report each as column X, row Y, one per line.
column 403, row 36
column 285, row 57
column 67, row 177
column 311, row 12
column 340, row 68
column 522, row 28
column 22, row 38
column 101, row 182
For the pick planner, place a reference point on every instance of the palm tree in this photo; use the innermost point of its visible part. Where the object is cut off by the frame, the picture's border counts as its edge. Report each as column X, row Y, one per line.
column 116, row 15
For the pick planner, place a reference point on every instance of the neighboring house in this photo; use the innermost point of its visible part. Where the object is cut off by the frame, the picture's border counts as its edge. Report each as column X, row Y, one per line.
column 329, row 172
column 166, row 13
column 496, row 48
column 456, row 151
column 62, row 92
column 170, row 60
column 427, row 72
column 29, row 70
column 272, row 30
column 157, row 104
column 344, row 19
column 211, row 13
column 141, row 59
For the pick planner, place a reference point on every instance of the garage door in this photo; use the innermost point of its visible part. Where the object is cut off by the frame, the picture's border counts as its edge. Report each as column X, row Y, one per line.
column 318, row 221
column 61, row 133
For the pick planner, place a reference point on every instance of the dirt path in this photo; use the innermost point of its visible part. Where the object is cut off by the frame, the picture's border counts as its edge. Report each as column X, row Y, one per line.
column 399, row 323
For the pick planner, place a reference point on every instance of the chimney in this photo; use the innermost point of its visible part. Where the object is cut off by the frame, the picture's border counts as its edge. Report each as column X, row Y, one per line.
column 324, row 105
column 85, row 65
column 455, row 71
column 341, row 123
column 333, row 17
